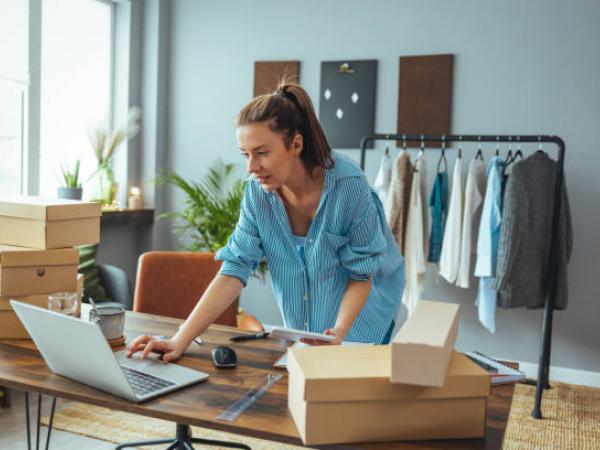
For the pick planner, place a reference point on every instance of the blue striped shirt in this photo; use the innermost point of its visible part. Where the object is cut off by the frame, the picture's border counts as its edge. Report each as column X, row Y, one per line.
column 349, row 239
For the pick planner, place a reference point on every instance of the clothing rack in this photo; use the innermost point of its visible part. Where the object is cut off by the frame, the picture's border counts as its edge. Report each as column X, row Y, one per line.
column 552, row 276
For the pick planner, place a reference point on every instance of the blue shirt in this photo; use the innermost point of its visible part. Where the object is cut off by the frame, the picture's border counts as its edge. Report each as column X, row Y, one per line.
column 487, row 245
column 300, row 242
column 438, row 202
column 349, row 239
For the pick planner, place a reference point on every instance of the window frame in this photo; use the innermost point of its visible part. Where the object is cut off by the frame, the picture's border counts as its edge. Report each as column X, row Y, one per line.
column 21, row 85
column 30, row 157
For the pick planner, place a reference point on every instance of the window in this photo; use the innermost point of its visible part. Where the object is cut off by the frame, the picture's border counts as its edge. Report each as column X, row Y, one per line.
column 13, row 91
column 76, row 84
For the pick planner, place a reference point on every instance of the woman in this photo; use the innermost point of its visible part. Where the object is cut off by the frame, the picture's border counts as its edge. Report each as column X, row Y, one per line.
column 311, row 214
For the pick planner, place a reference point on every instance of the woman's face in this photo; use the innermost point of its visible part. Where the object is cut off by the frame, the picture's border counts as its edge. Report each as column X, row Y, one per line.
column 268, row 159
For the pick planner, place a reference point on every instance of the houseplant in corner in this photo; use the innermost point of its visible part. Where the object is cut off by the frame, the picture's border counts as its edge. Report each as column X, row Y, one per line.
column 209, row 215
column 72, row 186
column 211, row 208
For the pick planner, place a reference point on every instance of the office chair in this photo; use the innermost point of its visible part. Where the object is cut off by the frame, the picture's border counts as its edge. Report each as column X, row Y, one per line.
column 170, row 284
column 117, row 284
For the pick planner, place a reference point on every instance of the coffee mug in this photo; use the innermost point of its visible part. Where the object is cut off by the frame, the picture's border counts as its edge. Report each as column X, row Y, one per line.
column 110, row 319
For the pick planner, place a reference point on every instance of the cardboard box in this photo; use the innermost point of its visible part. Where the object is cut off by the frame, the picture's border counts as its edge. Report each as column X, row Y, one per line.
column 48, row 223
column 421, row 350
column 343, row 394
column 10, row 325
column 25, row 271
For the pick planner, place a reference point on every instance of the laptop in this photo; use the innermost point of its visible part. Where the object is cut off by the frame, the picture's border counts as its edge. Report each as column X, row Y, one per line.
column 78, row 350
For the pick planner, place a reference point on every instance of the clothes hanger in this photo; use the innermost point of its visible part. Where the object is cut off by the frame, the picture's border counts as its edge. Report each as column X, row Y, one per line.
column 479, row 154
column 518, row 153
column 459, row 146
column 509, row 155
column 442, row 156
column 421, row 152
column 540, row 145
column 497, row 145
column 511, row 158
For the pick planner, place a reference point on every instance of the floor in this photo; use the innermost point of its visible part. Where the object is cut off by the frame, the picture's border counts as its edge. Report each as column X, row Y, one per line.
column 14, row 433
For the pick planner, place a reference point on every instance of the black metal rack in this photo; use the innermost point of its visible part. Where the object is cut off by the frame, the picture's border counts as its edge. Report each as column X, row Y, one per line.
column 544, row 358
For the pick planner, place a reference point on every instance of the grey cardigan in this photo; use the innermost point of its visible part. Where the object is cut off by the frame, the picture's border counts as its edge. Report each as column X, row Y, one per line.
column 526, row 233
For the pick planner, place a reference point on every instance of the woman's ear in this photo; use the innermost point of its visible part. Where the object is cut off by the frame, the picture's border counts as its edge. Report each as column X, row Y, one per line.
column 298, row 144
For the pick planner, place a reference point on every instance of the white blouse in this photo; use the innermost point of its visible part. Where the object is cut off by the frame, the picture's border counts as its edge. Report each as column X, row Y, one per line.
column 451, row 244
column 474, row 193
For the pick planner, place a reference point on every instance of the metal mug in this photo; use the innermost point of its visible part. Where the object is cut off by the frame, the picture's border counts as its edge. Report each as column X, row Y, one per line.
column 110, row 319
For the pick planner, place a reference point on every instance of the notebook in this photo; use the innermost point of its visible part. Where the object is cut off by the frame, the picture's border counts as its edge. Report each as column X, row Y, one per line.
column 500, row 373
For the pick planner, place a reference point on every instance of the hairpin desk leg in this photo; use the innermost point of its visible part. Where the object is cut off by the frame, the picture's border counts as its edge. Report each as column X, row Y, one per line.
column 27, row 420
column 39, row 422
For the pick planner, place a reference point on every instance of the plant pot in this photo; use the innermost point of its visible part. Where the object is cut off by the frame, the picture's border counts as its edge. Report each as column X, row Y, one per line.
column 70, row 193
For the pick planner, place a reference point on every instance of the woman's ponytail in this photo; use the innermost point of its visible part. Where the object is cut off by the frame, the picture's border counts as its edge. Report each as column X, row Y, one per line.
column 289, row 111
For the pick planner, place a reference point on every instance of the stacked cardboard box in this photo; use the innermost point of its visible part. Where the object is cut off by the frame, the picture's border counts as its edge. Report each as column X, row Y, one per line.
column 37, row 253
column 345, row 394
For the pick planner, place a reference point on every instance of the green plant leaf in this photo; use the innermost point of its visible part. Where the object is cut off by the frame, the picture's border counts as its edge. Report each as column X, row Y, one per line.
column 211, row 208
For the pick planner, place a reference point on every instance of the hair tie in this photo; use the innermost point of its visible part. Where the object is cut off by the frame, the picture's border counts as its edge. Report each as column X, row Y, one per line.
column 286, row 94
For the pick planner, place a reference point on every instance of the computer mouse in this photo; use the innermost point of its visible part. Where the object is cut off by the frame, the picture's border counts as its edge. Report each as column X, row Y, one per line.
column 224, row 357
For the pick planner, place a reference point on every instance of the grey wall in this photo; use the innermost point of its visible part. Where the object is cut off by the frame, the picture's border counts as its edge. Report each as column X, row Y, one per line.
column 520, row 67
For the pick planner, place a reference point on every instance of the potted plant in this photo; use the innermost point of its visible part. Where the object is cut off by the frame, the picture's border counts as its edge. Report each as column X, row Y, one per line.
column 104, row 142
column 211, row 208
column 72, row 186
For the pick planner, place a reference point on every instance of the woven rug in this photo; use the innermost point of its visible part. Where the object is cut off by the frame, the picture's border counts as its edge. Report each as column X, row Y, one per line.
column 571, row 419
column 118, row 427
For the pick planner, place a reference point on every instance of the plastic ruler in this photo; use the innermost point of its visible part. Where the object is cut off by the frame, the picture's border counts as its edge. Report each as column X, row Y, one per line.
column 248, row 399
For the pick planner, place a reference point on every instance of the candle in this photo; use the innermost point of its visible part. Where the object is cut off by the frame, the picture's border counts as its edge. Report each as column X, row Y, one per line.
column 134, row 201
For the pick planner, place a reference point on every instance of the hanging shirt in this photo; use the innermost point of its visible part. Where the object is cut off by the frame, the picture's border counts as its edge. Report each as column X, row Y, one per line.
column 524, row 251
column 487, row 245
column 398, row 197
column 450, row 256
column 421, row 166
column 382, row 180
column 347, row 240
column 414, row 257
column 474, row 192
column 438, row 202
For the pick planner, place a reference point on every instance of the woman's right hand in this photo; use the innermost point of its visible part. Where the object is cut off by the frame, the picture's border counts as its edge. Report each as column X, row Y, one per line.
column 170, row 348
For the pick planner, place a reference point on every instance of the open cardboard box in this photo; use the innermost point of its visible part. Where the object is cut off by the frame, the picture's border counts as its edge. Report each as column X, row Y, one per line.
column 422, row 349
column 344, row 394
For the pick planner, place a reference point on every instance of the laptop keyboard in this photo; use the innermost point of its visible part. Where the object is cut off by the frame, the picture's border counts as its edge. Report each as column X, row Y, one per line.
column 142, row 383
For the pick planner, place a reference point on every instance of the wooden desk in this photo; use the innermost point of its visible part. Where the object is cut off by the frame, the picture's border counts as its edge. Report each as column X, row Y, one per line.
column 22, row 367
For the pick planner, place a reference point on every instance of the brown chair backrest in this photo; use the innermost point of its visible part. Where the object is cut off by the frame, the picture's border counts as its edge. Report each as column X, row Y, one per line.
column 171, row 283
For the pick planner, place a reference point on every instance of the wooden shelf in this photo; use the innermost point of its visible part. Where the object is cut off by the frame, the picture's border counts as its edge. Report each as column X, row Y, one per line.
column 128, row 217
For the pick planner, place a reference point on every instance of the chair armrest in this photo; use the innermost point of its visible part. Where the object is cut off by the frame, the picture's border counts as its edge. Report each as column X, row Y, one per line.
column 249, row 322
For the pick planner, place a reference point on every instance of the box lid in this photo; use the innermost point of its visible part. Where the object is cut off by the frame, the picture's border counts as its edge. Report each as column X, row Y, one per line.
column 39, row 300
column 349, row 373
column 46, row 209
column 429, row 324
column 11, row 256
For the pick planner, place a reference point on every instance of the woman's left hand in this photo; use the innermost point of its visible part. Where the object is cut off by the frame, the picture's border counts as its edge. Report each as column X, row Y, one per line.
column 338, row 333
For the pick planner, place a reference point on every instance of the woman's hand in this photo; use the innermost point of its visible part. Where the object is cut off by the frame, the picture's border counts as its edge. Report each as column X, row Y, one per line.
column 338, row 333
column 170, row 348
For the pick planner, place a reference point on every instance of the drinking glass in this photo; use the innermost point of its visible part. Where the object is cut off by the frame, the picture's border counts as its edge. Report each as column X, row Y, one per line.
column 63, row 302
